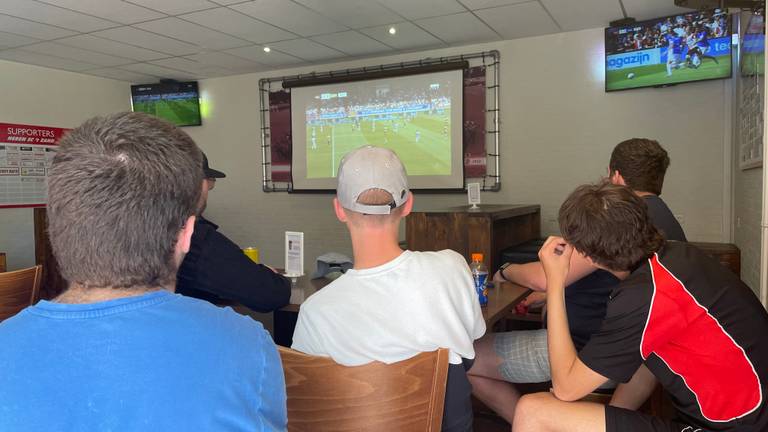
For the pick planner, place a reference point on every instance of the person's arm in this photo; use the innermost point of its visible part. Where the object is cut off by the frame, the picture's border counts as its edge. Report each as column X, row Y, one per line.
column 271, row 396
column 532, row 275
column 221, row 268
column 571, row 379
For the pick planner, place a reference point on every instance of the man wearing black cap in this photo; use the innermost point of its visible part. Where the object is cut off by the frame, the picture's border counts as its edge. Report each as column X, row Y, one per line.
column 216, row 268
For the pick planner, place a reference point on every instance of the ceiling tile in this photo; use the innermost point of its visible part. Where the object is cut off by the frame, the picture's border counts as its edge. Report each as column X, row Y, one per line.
column 10, row 40
column 412, row 10
column 175, row 7
column 227, row 61
column 290, row 16
column 124, row 75
column 72, row 53
column 520, row 20
column 31, row 29
column 273, row 58
column 193, row 33
column 52, row 15
column 458, row 29
column 353, row 13
column 649, row 9
column 480, row 4
column 352, row 43
column 106, row 46
column 307, row 50
column 237, row 24
column 159, row 71
column 408, row 36
column 199, row 69
column 115, row 10
column 583, row 14
column 228, row 2
column 21, row 56
column 141, row 38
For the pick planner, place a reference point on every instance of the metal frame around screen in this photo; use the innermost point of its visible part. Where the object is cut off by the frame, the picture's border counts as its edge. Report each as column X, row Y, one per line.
column 490, row 59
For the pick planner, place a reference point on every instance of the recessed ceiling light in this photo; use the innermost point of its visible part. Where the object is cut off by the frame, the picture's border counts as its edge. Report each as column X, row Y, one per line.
column 267, row 49
column 392, row 30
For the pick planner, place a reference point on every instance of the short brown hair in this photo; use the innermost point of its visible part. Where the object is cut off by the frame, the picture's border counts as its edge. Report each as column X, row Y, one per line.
column 120, row 189
column 374, row 197
column 609, row 224
column 642, row 163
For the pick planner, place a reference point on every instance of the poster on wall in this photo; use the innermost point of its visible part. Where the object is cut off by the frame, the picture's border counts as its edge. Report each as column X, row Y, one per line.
column 26, row 154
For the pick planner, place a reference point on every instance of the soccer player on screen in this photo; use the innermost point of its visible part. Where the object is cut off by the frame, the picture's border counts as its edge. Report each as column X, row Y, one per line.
column 674, row 51
column 418, row 136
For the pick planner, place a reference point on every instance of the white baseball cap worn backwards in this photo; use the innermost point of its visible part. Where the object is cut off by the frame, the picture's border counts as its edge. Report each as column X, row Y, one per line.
column 368, row 168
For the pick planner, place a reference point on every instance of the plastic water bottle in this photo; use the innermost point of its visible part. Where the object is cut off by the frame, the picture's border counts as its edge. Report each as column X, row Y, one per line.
column 480, row 275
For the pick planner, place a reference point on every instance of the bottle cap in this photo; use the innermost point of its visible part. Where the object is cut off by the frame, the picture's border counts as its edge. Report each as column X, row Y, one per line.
column 477, row 257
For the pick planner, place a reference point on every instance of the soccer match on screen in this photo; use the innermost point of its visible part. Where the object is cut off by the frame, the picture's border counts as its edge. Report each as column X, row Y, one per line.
column 412, row 120
column 181, row 108
column 689, row 47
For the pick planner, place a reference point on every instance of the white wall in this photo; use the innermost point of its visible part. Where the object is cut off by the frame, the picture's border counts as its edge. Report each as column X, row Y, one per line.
column 558, row 128
column 40, row 96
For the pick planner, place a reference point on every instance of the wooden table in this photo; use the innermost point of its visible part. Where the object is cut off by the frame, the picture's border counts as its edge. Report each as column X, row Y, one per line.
column 488, row 230
column 502, row 299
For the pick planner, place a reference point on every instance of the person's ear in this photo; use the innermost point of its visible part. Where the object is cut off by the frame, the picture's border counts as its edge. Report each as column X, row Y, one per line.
column 340, row 215
column 408, row 206
column 184, row 239
column 617, row 178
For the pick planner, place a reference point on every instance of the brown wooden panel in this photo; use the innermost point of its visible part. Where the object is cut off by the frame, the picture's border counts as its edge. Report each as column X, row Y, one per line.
column 728, row 254
column 3, row 265
column 53, row 284
column 403, row 396
column 18, row 289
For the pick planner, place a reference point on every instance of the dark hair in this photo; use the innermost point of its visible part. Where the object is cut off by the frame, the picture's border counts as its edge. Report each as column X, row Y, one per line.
column 609, row 224
column 120, row 189
column 642, row 163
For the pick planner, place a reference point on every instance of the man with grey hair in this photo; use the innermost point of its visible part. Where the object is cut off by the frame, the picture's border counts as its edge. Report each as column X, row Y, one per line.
column 118, row 350
column 393, row 304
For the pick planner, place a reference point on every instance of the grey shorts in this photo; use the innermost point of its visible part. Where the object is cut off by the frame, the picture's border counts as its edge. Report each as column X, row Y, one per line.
column 524, row 354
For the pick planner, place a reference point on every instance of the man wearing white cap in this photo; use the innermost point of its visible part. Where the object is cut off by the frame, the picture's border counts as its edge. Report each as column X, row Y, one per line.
column 393, row 304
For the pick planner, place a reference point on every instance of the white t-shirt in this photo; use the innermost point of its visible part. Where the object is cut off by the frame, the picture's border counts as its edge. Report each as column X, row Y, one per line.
column 418, row 302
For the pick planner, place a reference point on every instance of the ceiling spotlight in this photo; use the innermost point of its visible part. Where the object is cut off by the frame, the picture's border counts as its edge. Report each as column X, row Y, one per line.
column 392, row 30
column 267, row 49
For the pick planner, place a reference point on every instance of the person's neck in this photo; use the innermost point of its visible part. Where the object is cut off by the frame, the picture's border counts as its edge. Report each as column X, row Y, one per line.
column 373, row 247
column 78, row 294
column 643, row 193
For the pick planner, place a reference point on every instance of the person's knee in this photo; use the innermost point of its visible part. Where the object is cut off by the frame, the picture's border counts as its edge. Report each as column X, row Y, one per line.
column 531, row 409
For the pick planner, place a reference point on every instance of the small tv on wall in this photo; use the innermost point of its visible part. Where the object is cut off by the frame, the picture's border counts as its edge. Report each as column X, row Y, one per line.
column 688, row 47
column 176, row 102
column 753, row 46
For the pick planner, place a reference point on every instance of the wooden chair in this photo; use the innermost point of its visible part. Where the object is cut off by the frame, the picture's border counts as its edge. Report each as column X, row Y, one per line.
column 403, row 396
column 19, row 289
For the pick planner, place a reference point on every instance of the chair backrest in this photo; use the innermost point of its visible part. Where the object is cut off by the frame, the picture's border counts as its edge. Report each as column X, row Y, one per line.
column 19, row 289
column 403, row 396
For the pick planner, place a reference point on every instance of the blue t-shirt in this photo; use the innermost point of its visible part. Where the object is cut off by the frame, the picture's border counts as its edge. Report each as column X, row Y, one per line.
column 156, row 362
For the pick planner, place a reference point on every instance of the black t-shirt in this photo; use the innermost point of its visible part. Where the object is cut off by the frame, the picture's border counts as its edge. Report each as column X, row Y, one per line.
column 698, row 329
column 663, row 218
column 586, row 298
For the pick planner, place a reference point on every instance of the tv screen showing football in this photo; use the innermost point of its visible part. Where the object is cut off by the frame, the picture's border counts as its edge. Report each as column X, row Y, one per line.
column 694, row 46
column 176, row 102
column 417, row 116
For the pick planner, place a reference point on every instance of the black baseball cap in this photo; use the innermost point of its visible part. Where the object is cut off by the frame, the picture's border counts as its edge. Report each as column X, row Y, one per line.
column 210, row 172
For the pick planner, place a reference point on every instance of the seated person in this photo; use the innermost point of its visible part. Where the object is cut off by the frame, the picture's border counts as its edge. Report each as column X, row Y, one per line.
column 393, row 304
column 521, row 356
column 677, row 314
column 216, row 268
column 118, row 350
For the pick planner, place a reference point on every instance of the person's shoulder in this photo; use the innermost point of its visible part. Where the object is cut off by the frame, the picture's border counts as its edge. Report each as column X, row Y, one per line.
column 447, row 257
column 329, row 295
column 215, row 321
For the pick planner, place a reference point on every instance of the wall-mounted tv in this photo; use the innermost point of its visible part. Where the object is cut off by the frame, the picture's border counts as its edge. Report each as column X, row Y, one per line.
column 176, row 102
column 753, row 46
column 694, row 46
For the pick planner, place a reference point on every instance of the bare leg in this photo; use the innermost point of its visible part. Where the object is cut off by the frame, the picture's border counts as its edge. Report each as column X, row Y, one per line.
column 542, row 412
column 487, row 383
column 633, row 394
